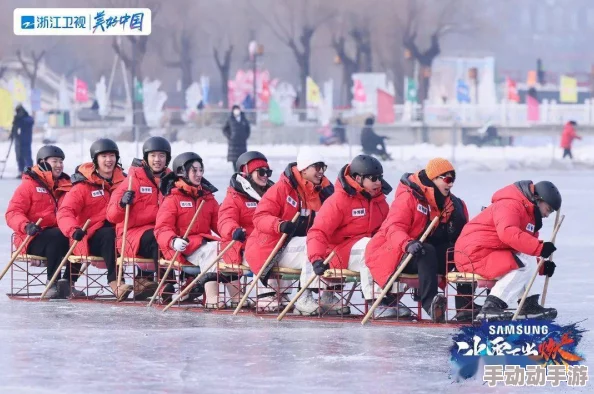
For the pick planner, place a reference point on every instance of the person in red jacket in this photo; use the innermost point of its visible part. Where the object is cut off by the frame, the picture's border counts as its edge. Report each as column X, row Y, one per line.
column 93, row 184
column 237, row 210
column 345, row 224
column 301, row 188
column 38, row 196
column 184, row 189
column 144, row 200
column 567, row 138
column 497, row 242
column 420, row 197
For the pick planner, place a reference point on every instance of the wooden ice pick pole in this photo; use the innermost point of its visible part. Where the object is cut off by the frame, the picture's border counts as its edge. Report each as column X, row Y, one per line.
column 18, row 251
column 401, row 268
column 279, row 244
column 186, row 235
column 540, row 263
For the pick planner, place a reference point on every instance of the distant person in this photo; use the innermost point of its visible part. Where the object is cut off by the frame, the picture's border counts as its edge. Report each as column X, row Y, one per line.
column 567, row 138
column 336, row 136
column 237, row 132
column 372, row 143
column 22, row 132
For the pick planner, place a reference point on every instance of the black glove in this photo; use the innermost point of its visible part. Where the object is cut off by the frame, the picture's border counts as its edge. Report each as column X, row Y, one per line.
column 239, row 234
column 127, row 198
column 548, row 268
column 288, row 227
column 319, row 267
column 415, row 247
column 32, row 229
column 547, row 249
column 78, row 234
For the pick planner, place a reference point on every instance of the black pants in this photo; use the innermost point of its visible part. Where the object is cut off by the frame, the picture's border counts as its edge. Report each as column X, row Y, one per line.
column 53, row 245
column 567, row 152
column 102, row 244
column 426, row 266
column 464, row 290
column 149, row 249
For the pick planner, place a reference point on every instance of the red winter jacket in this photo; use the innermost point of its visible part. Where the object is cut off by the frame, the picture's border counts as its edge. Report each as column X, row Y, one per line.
column 414, row 207
column 88, row 199
column 143, row 211
column 568, row 136
column 237, row 210
column 280, row 203
column 38, row 196
column 347, row 216
column 509, row 224
column 176, row 212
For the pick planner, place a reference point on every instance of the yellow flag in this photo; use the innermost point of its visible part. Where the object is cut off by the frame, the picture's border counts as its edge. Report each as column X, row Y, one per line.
column 568, row 90
column 19, row 92
column 6, row 109
column 313, row 96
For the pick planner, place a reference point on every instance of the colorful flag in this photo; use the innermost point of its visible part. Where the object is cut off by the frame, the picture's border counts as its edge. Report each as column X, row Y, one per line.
column 138, row 91
column 532, row 78
column 81, row 94
column 313, row 96
column 462, row 91
column 568, row 92
column 411, row 89
column 385, row 107
column 275, row 113
column 532, row 105
column 512, row 90
column 359, row 91
column 6, row 109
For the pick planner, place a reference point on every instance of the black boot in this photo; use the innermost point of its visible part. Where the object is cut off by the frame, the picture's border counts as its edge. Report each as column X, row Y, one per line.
column 494, row 310
column 466, row 309
column 533, row 310
column 437, row 310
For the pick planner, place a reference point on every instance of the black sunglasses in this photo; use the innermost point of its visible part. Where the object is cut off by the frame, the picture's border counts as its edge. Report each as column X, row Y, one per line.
column 264, row 172
column 374, row 178
column 320, row 166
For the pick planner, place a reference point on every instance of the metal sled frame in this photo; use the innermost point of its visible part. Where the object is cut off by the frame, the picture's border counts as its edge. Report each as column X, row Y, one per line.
column 92, row 287
column 335, row 281
column 34, row 269
column 130, row 262
column 480, row 286
column 275, row 283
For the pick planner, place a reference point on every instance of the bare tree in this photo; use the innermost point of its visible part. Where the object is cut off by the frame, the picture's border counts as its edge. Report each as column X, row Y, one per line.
column 224, row 67
column 31, row 68
column 182, row 45
column 295, row 28
column 360, row 61
column 133, row 59
column 444, row 17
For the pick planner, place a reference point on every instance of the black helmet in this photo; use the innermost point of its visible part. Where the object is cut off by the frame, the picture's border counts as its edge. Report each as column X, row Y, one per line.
column 156, row 144
column 549, row 193
column 104, row 145
column 366, row 165
column 180, row 161
column 246, row 157
column 49, row 151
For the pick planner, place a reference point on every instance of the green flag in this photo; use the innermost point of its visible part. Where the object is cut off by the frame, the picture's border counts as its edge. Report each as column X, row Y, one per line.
column 138, row 92
column 411, row 89
column 275, row 113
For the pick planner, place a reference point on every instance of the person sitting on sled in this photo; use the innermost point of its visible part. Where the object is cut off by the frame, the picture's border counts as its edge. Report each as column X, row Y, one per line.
column 39, row 195
column 345, row 224
column 420, row 197
column 497, row 242
column 144, row 200
column 93, row 184
column 301, row 188
column 184, row 189
column 236, row 213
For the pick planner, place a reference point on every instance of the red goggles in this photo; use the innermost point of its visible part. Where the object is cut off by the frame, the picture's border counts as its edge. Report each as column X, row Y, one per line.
column 448, row 179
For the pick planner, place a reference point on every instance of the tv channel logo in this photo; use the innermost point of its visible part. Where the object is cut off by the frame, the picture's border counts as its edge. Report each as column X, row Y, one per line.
column 27, row 22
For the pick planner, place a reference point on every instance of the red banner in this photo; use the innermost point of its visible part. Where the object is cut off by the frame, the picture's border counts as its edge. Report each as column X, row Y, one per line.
column 512, row 90
column 81, row 93
column 385, row 107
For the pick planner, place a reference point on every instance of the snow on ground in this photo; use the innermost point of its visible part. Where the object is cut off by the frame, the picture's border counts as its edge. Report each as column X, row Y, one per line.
column 84, row 347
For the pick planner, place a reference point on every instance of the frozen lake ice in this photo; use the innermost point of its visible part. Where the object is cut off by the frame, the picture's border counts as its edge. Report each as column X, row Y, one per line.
column 63, row 347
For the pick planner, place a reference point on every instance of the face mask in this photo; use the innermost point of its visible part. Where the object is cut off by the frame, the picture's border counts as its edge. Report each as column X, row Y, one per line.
column 236, row 112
